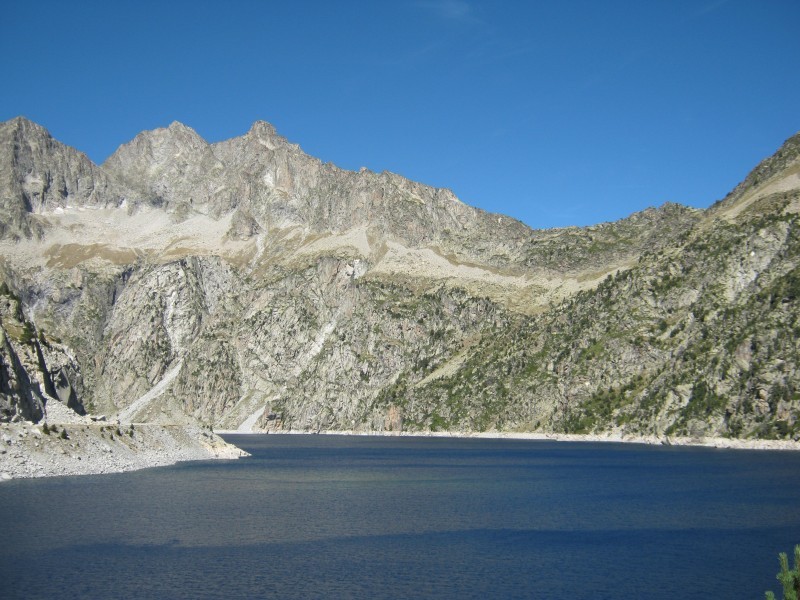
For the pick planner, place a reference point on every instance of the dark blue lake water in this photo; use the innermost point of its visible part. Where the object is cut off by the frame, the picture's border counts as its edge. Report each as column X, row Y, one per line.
column 361, row 517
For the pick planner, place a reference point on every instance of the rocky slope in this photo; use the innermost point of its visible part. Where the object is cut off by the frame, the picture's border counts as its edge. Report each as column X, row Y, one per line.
column 55, row 448
column 246, row 285
column 32, row 368
column 40, row 382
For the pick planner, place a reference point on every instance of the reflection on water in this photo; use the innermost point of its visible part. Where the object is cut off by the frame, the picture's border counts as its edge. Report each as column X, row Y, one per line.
column 362, row 517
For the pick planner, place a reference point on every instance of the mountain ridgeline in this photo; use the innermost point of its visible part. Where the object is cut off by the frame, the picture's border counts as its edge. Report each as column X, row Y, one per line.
column 247, row 285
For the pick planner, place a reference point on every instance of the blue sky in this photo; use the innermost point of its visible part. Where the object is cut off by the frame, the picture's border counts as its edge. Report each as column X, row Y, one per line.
column 556, row 113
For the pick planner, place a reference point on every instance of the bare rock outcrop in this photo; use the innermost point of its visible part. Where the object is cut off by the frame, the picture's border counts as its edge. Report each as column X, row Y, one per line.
column 39, row 174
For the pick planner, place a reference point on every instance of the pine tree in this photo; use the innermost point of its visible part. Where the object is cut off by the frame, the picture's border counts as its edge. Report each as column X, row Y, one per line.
column 790, row 580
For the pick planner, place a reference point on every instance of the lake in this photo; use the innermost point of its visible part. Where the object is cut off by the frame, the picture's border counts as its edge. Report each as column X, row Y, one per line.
column 318, row 516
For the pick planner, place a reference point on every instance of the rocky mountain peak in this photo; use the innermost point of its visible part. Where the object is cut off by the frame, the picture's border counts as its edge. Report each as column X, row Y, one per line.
column 778, row 173
column 262, row 129
column 39, row 174
column 21, row 137
column 171, row 167
column 178, row 126
column 264, row 135
column 157, row 144
column 23, row 126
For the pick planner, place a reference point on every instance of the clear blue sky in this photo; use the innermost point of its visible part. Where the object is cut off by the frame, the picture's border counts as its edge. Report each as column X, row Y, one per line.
column 556, row 113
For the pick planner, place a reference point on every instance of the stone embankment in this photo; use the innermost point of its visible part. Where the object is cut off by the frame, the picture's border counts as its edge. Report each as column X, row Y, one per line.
column 651, row 440
column 74, row 445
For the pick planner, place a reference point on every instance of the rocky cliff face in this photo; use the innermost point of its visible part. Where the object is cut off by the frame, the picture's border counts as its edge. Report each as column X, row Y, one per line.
column 33, row 369
column 247, row 285
column 270, row 185
column 39, row 174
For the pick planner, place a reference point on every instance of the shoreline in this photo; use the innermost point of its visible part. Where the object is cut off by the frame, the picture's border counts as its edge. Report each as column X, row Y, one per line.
column 29, row 450
column 652, row 440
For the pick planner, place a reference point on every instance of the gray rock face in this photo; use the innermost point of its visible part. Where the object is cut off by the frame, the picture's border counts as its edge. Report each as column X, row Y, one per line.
column 19, row 399
column 173, row 168
column 38, row 173
column 271, row 184
column 33, row 371
column 247, row 285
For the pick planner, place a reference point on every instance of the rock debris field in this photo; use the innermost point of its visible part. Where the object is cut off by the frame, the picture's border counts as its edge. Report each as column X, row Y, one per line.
column 68, row 444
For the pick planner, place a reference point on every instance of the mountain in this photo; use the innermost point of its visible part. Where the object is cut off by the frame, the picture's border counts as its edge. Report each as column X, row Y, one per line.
column 247, row 285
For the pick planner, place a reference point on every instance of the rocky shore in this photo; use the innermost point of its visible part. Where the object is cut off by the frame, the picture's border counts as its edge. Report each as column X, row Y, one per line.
column 82, row 446
column 68, row 444
column 65, row 443
column 705, row 442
